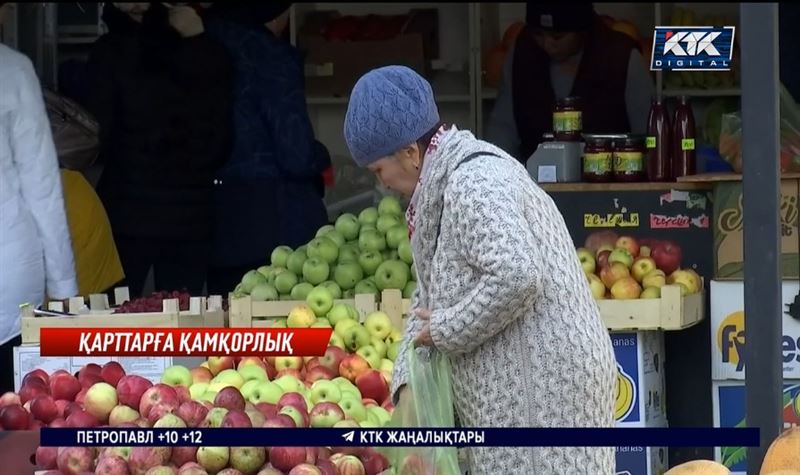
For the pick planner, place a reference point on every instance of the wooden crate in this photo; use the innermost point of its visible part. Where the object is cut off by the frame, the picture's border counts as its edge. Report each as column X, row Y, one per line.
column 244, row 313
column 203, row 313
column 670, row 312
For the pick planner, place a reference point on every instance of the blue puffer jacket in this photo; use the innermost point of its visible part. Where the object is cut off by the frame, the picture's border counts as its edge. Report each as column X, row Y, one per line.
column 271, row 190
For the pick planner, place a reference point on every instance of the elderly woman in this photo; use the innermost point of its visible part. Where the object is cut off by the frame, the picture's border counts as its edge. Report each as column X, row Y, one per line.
column 500, row 289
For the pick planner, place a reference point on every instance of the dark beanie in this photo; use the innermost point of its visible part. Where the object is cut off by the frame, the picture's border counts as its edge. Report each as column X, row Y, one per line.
column 560, row 17
column 255, row 14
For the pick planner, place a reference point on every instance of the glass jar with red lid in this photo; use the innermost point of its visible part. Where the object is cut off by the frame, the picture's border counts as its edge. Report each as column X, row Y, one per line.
column 629, row 153
column 597, row 159
column 568, row 120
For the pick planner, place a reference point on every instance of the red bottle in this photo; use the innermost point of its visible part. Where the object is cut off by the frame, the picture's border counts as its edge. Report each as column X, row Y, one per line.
column 683, row 140
column 659, row 143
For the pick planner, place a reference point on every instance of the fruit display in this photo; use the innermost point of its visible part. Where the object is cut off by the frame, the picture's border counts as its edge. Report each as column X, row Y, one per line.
column 624, row 267
column 362, row 254
column 154, row 303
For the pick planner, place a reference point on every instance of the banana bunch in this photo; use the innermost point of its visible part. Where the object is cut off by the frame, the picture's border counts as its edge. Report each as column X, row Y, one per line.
column 625, row 395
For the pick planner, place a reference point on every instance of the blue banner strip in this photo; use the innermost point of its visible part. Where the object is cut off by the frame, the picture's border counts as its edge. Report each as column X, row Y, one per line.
column 388, row 437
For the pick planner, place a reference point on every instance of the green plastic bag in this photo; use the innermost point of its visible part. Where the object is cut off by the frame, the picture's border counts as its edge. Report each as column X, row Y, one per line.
column 430, row 404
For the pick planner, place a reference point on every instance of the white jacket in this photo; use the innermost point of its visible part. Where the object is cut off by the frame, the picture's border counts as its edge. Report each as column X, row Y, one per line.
column 35, row 247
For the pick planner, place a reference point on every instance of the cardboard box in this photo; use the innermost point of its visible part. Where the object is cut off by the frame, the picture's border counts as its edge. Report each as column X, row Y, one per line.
column 728, row 332
column 640, row 363
column 729, row 236
column 641, row 460
column 730, row 409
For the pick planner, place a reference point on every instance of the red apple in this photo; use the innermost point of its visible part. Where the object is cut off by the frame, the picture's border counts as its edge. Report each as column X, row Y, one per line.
column 30, row 391
column 158, row 395
column 388, row 405
column 286, row 458
column 58, row 423
column 192, row 468
column 74, row 460
column 89, row 379
column 112, row 372
column 230, row 398
column 236, row 418
column 216, row 364
column 143, row 459
column 130, row 389
column 183, row 455
column 9, row 399
column 327, row 467
column 668, row 256
column 312, row 363
column 14, row 417
column 36, row 425
column 598, row 239
column 271, row 371
column 183, row 393
column 192, row 412
column 372, row 385
column 46, row 458
column 64, row 386
column 70, row 408
column 268, row 469
column 280, row 421
column 291, row 372
column 201, row 375
column 267, row 409
column 602, row 259
column 349, row 464
column 333, row 358
column 628, row 243
column 325, row 414
column 251, row 360
column 81, row 419
column 112, row 465
column 293, row 399
column 42, row 374
column 300, row 417
column 44, row 408
column 305, row 469
column 374, row 462
column 229, row 471
column 323, row 453
column 320, row 372
column 143, row 423
column 91, row 368
column 352, row 366
column 81, row 396
column 367, row 402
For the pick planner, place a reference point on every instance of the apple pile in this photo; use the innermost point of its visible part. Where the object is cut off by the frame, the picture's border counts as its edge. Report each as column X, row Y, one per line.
column 154, row 303
column 623, row 268
column 362, row 254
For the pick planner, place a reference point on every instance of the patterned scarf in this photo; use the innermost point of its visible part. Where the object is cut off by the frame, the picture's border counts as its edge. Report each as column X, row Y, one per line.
column 411, row 212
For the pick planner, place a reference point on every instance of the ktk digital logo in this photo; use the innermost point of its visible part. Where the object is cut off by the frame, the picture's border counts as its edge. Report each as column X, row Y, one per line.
column 692, row 48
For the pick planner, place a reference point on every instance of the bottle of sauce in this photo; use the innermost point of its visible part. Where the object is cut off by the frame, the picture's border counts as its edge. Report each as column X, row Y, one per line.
column 597, row 159
column 659, row 143
column 629, row 159
column 683, row 140
column 568, row 120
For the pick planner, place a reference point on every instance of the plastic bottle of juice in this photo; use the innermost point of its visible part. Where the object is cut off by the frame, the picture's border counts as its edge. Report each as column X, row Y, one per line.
column 683, row 143
column 659, row 143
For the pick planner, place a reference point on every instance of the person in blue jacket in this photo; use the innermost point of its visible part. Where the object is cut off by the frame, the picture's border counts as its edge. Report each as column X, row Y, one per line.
column 271, row 191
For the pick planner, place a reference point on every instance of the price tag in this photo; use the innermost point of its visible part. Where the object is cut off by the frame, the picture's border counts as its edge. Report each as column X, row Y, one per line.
column 651, row 142
column 687, row 144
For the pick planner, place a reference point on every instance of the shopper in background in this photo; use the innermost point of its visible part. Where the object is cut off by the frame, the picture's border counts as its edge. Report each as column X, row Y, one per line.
column 36, row 259
column 160, row 89
column 271, row 191
column 499, row 285
column 565, row 50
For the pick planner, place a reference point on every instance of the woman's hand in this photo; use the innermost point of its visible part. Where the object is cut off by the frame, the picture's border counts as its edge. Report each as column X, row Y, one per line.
column 424, row 336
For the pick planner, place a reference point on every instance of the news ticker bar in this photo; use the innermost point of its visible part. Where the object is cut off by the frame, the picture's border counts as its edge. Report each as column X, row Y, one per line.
column 389, row 437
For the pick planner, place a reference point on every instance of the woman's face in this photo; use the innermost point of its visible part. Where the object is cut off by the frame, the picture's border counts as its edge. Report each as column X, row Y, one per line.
column 400, row 171
column 559, row 46
column 133, row 10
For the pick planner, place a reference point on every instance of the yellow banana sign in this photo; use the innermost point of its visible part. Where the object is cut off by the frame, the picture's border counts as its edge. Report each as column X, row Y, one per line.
column 625, row 396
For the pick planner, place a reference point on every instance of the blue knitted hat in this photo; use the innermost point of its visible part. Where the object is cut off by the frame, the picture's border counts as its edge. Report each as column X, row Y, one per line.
column 389, row 108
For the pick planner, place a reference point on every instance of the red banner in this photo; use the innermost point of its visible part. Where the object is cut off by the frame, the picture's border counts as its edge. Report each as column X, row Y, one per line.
column 184, row 341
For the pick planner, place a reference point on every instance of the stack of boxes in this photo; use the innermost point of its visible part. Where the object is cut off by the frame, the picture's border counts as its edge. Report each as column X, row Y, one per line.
column 727, row 337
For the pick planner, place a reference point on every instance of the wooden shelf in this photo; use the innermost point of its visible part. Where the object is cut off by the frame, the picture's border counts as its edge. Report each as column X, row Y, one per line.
column 710, row 178
column 671, row 312
column 646, row 186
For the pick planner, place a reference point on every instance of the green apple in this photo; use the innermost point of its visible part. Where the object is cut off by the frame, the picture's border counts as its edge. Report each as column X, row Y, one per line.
column 336, row 237
column 273, row 273
column 350, row 391
column 264, row 292
column 295, row 261
column 341, row 381
column 380, row 346
column 285, row 297
column 315, row 270
column 409, row 289
column 393, row 349
column 303, row 248
column 387, row 222
column 365, row 228
column 349, row 294
column 370, row 261
column 390, row 205
column 285, row 281
column 343, row 325
column 348, row 253
column 396, row 235
column 348, row 274
column 320, row 300
column 324, row 230
column 208, row 396
column 368, row 353
column 197, row 390
column 264, row 270
column 280, row 255
column 392, row 274
column 353, row 408
column 177, row 375
column 229, row 377
column 342, row 311
column 378, row 324
column 214, row 417
column 390, row 255
column 368, row 216
column 368, row 424
column 325, row 391
column 413, row 272
column 301, row 316
column 301, row 291
column 355, row 337
column 405, row 253
column 251, row 279
column 253, row 372
column 348, row 225
column 382, row 415
column 371, row 240
column 323, row 248
column 279, row 323
column 396, row 335
column 289, row 384
column 321, row 323
column 334, row 288
column 367, row 287
column 249, row 389
column 336, row 340
column 268, row 392
column 386, row 365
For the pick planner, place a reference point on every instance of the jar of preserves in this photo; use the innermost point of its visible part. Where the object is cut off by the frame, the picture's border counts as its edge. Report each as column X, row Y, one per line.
column 597, row 159
column 567, row 120
column 629, row 155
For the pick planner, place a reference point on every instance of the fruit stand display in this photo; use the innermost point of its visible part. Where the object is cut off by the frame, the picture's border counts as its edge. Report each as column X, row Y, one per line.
column 161, row 310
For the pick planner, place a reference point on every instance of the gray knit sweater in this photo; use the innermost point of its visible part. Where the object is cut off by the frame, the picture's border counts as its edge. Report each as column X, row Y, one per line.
column 511, row 308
